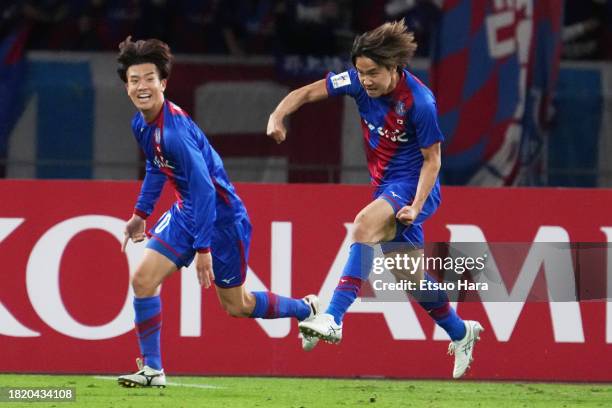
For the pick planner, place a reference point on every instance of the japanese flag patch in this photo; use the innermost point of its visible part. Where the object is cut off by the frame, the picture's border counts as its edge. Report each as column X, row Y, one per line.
column 340, row 80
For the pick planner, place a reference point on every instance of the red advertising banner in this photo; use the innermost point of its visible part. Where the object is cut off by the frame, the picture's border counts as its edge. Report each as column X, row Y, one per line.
column 65, row 304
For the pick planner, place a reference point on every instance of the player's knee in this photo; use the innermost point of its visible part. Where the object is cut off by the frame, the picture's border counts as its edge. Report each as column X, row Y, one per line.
column 362, row 230
column 143, row 285
column 236, row 309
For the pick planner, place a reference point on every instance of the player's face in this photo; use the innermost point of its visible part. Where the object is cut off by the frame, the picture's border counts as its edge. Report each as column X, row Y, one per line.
column 377, row 80
column 145, row 89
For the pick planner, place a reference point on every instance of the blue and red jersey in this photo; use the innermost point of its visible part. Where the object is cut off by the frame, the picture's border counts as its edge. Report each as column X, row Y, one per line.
column 395, row 126
column 178, row 151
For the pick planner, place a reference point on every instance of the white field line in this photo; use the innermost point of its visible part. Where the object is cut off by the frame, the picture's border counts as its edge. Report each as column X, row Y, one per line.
column 174, row 384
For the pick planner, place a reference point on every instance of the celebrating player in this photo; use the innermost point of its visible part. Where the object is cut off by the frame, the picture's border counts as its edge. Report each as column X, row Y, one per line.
column 402, row 143
column 208, row 221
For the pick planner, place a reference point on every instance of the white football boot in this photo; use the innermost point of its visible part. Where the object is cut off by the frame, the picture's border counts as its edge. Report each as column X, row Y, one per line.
column 464, row 349
column 144, row 377
column 309, row 342
column 322, row 326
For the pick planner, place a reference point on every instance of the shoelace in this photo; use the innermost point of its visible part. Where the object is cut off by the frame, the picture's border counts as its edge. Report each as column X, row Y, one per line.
column 452, row 348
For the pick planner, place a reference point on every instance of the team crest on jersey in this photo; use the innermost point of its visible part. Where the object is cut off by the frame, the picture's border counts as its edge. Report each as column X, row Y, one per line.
column 400, row 108
column 340, row 80
column 157, row 136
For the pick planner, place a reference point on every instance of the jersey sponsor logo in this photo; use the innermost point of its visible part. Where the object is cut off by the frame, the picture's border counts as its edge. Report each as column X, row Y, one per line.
column 340, row 80
column 395, row 135
column 161, row 162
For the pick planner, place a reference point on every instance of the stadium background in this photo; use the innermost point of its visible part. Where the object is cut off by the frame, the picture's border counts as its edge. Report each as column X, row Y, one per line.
column 64, row 115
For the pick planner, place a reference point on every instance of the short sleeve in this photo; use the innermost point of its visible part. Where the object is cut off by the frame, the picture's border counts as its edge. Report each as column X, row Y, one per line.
column 344, row 83
column 425, row 119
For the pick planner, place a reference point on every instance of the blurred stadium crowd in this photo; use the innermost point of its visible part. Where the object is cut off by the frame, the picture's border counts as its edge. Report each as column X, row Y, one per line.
column 262, row 27
column 238, row 27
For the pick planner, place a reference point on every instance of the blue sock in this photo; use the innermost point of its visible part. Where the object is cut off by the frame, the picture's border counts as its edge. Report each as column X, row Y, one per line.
column 435, row 302
column 452, row 324
column 148, row 327
column 355, row 271
column 272, row 306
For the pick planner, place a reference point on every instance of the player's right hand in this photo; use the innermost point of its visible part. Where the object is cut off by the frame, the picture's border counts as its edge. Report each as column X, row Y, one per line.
column 276, row 129
column 204, row 269
column 134, row 230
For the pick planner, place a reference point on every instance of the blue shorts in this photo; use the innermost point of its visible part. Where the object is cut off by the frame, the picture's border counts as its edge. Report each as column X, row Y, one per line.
column 229, row 247
column 402, row 194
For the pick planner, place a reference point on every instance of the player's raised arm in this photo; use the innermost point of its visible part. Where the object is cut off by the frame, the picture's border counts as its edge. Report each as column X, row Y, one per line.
column 313, row 92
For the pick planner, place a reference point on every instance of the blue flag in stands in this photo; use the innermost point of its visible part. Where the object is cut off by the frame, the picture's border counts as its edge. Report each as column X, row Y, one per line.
column 494, row 67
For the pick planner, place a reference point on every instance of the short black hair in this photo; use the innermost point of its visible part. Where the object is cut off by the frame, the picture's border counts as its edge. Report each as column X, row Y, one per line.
column 142, row 52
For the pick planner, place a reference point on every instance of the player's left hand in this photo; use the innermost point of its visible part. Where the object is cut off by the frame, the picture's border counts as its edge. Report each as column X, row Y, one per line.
column 407, row 214
column 204, row 268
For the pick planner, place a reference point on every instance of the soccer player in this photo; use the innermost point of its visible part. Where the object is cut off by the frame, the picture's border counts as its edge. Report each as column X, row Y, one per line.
column 402, row 142
column 208, row 221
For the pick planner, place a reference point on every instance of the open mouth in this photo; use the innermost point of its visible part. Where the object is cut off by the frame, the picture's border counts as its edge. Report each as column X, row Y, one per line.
column 144, row 97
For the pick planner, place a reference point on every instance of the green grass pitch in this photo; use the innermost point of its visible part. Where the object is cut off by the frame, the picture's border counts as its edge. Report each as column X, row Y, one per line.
column 228, row 392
